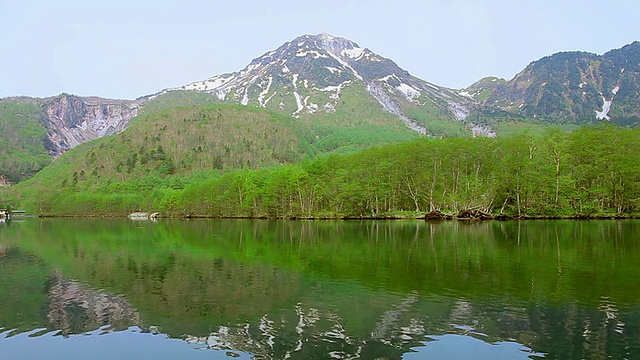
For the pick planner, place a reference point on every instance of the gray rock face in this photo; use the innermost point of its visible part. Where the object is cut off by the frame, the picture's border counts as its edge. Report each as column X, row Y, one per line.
column 4, row 182
column 71, row 120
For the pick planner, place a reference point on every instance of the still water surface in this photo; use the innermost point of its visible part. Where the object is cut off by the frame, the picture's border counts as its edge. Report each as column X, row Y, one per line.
column 220, row 289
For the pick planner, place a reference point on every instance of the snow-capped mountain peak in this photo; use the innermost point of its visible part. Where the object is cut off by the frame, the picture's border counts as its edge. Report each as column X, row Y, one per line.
column 308, row 76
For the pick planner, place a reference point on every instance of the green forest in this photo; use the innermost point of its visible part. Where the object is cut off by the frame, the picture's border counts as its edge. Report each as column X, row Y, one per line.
column 589, row 172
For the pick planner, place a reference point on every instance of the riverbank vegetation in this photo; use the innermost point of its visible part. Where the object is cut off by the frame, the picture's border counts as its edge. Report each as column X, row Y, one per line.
column 592, row 171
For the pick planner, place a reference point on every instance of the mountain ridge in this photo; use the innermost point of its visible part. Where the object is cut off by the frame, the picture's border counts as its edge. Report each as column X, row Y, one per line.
column 305, row 77
column 575, row 86
column 336, row 88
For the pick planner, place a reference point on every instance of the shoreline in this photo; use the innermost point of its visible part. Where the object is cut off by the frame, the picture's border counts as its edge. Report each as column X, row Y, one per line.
column 426, row 217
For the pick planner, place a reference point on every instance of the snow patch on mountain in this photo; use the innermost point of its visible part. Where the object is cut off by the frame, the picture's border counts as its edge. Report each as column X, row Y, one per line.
column 465, row 94
column 355, row 53
column 264, row 93
column 409, row 92
column 345, row 64
column 604, row 113
column 245, row 97
column 327, row 64
column 315, row 54
column 606, row 106
column 615, row 90
column 298, row 102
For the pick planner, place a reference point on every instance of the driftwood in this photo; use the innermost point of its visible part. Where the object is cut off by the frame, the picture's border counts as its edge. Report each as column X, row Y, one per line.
column 437, row 215
column 471, row 214
column 502, row 216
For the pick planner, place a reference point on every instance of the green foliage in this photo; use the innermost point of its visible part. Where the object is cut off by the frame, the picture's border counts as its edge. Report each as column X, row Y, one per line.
column 591, row 171
column 179, row 98
column 22, row 135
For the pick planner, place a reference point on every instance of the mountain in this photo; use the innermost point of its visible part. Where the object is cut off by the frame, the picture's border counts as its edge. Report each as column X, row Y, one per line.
column 72, row 120
column 345, row 97
column 482, row 89
column 34, row 131
column 182, row 141
column 332, row 80
column 574, row 87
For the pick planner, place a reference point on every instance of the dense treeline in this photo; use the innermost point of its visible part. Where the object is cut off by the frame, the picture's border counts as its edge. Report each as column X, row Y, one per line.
column 22, row 136
column 592, row 171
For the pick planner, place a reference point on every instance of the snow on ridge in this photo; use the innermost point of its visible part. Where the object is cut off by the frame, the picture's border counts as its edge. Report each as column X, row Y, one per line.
column 249, row 68
column 333, row 69
column 409, row 92
column 316, row 54
column 386, row 78
column 285, row 69
column 465, row 94
column 432, row 86
column 345, row 64
column 355, row 53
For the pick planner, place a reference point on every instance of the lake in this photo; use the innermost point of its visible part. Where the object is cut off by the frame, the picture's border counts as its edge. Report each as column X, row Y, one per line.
column 220, row 289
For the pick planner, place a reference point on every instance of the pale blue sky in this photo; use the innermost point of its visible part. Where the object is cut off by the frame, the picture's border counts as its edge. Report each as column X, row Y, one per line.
column 126, row 49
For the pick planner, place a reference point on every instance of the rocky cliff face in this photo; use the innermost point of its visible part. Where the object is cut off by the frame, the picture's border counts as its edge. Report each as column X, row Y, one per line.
column 71, row 120
column 4, row 181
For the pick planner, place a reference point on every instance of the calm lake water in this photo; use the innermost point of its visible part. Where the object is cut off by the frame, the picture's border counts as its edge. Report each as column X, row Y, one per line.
column 219, row 289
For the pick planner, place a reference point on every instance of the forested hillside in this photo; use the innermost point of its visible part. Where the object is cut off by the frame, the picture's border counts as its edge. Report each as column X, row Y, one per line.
column 587, row 172
column 22, row 139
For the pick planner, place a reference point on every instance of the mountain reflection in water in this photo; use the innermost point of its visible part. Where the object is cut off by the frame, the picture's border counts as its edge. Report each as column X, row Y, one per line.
column 303, row 290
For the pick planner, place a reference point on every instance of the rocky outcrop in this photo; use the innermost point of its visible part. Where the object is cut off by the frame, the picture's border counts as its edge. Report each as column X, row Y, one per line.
column 71, row 120
column 4, row 182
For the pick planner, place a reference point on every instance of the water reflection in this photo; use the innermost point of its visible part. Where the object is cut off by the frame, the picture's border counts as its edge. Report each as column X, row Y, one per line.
column 560, row 289
column 74, row 308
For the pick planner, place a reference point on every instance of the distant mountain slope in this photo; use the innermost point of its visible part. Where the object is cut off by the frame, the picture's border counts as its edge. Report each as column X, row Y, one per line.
column 575, row 87
column 182, row 140
column 34, row 131
column 324, row 77
column 72, row 120
column 346, row 97
column 482, row 89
